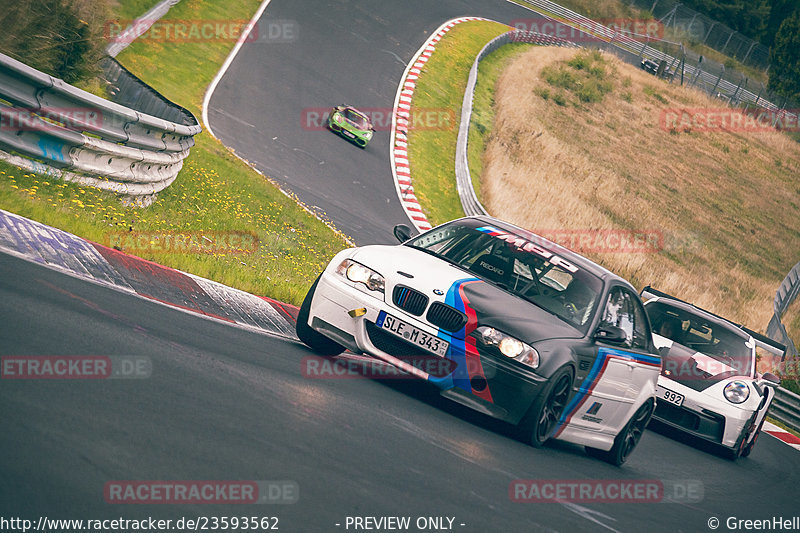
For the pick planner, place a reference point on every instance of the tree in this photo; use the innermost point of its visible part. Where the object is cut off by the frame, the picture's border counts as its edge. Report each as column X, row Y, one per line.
column 784, row 76
column 779, row 11
column 748, row 17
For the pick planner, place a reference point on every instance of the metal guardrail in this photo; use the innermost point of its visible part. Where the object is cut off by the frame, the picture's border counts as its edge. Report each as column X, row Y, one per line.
column 785, row 408
column 787, row 292
column 127, row 90
column 466, row 192
column 704, row 30
column 48, row 126
column 735, row 93
column 734, row 90
column 786, row 405
column 138, row 27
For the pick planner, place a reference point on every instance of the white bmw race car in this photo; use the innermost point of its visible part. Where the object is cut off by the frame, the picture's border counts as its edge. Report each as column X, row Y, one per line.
column 501, row 320
column 709, row 386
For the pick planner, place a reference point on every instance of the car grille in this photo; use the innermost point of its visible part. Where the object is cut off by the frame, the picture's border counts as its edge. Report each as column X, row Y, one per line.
column 386, row 342
column 708, row 425
column 446, row 317
column 409, row 300
column 678, row 416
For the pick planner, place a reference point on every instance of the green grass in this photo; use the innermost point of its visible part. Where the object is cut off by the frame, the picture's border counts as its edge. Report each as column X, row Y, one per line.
column 482, row 120
column 783, row 426
column 614, row 9
column 441, row 87
column 584, row 75
column 181, row 71
column 122, row 12
column 215, row 191
column 127, row 10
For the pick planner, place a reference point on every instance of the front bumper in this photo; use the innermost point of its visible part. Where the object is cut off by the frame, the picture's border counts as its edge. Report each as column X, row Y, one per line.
column 500, row 388
column 352, row 136
column 714, row 421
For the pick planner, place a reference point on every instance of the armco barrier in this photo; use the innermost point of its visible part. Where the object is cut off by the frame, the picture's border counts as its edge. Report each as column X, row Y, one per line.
column 127, row 90
column 466, row 192
column 787, row 292
column 785, row 408
column 51, row 127
column 790, row 287
column 139, row 26
column 733, row 90
column 784, row 297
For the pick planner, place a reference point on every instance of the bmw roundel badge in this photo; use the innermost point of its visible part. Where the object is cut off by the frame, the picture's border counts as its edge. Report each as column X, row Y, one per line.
column 438, row 292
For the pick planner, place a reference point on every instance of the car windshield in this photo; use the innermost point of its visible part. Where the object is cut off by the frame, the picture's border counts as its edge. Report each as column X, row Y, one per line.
column 725, row 347
column 519, row 265
column 357, row 119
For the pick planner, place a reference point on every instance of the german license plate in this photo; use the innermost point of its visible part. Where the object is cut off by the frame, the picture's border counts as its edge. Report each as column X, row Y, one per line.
column 667, row 395
column 412, row 334
column 351, row 135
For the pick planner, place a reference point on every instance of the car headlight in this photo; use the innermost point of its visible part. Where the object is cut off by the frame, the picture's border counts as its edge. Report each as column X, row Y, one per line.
column 337, row 117
column 507, row 345
column 736, row 391
column 368, row 134
column 358, row 273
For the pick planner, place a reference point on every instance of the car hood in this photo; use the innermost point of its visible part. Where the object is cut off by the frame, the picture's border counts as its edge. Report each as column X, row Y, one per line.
column 445, row 282
column 691, row 368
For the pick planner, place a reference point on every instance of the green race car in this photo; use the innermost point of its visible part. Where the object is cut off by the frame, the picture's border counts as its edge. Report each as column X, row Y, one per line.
column 351, row 124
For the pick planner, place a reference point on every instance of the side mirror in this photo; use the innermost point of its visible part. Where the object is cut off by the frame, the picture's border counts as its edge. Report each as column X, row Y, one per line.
column 771, row 379
column 402, row 232
column 612, row 334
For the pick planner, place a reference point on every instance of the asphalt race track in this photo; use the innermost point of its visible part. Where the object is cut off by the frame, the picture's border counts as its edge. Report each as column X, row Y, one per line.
column 344, row 52
column 225, row 403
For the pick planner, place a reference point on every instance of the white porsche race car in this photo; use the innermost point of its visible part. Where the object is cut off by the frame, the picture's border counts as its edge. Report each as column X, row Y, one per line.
column 709, row 386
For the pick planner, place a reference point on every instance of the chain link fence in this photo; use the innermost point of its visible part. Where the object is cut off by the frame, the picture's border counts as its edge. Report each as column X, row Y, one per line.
column 694, row 29
column 681, row 64
column 697, row 29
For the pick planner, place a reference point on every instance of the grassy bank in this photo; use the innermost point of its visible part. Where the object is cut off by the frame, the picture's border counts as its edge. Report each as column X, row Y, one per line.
column 441, row 88
column 128, row 10
column 617, row 9
column 215, row 191
column 576, row 144
column 596, row 157
column 482, row 121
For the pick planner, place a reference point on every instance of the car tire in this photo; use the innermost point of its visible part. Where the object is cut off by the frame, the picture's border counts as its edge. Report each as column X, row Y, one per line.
column 741, row 449
column 628, row 438
column 537, row 426
column 319, row 343
column 734, row 453
column 749, row 447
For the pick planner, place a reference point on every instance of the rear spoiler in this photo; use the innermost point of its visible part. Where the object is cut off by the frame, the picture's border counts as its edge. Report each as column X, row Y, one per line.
column 762, row 341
